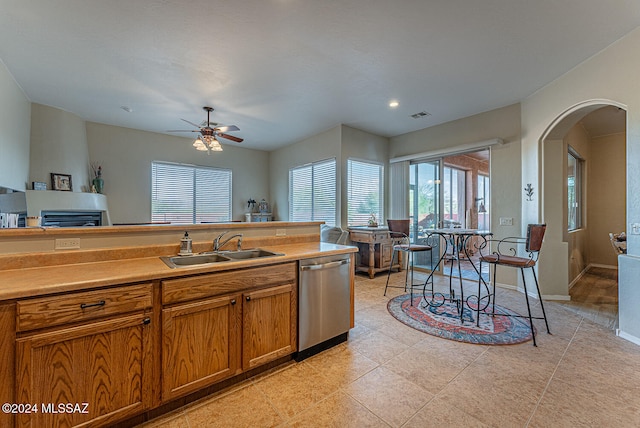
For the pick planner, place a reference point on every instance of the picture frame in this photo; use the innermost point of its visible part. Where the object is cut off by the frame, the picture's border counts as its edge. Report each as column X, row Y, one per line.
column 61, row 182
column 39, row 185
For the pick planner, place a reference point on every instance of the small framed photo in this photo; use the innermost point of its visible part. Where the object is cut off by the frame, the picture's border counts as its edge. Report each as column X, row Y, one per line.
column 39, row 185
column 61, row 182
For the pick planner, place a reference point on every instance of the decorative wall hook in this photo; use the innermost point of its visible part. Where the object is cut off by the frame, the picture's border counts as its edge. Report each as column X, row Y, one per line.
column 529, row 192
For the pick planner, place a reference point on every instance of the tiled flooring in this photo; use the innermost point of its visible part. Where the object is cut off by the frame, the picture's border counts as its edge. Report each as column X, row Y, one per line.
column 388, row 374
column 595, row 297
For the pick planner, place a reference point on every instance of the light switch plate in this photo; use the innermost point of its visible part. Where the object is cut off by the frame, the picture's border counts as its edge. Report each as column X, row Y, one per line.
column 634, row 229
column 506, row 221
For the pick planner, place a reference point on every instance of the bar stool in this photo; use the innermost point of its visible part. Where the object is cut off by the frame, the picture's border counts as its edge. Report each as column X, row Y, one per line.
column 399, row 232
column 533, row 244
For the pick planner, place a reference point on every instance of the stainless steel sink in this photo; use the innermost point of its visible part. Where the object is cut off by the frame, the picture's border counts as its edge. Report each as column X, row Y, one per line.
column 195, row 260
column 216, row 257
column 250, row 254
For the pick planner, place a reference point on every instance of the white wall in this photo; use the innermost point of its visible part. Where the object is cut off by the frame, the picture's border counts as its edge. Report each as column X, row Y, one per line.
column 322, row 146
column 58, row 145
column 15, row 123
column 610, row 77
column 126, row 155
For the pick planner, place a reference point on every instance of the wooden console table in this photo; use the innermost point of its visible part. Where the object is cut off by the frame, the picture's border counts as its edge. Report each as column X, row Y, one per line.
column 375, row 248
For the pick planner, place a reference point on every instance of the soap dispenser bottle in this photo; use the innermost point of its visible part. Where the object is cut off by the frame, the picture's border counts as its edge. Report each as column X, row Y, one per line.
column 185, row 245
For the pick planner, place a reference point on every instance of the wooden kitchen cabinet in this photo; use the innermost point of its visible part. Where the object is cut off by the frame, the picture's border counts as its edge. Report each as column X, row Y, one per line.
column 105, row 364
column 105, row 361
column 201, row 344
column 217, row 325
column 269, row 325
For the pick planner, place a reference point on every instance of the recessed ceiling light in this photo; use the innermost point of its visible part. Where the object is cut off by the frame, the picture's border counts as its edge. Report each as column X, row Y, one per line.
column 394, row 104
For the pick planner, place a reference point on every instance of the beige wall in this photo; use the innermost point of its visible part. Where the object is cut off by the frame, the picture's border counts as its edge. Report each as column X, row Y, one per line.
column 506, row 192
column 322, row 146
column 360, row 145
column 608, row 78
column 577, row 240
column 15, row 122
column 606, row 196
column 126, row 155
column 58, row 145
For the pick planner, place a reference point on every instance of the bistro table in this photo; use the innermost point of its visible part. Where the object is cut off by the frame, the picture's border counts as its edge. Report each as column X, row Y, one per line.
column 456, row 239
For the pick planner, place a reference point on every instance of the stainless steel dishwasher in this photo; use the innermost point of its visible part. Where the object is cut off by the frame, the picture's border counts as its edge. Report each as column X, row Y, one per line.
column 324, row 303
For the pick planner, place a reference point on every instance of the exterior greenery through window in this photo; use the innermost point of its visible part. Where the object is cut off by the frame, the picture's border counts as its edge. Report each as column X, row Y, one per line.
column 312, row 192
column 189, row 194
column 365, row 193
column 575, row 167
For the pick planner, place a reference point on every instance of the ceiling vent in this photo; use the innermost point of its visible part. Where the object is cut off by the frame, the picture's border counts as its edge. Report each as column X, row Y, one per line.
column 420, row 114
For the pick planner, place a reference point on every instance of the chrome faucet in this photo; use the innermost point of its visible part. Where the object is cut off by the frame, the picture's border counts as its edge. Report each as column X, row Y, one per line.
column 217, row 244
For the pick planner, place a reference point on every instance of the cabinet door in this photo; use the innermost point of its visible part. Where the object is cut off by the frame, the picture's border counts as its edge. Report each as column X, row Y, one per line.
column 106, row 365
column 200, row 344
column 269, row 325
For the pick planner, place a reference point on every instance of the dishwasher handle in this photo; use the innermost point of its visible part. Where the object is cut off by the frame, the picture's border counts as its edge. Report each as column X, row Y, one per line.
column 325, row 265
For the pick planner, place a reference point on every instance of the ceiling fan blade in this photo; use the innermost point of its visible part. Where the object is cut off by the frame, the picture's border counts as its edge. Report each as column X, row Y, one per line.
column 190, row 123
column 183, row 130
column 226, row 128
column 231, row 137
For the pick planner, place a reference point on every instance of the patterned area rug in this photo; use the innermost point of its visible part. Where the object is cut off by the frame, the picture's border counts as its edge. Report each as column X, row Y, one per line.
column 444, row 321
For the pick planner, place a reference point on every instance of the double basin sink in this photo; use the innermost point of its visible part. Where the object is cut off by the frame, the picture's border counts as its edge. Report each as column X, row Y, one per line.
column 216, row 257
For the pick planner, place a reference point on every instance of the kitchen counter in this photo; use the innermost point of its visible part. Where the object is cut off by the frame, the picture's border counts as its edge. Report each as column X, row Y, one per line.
column 37, row 281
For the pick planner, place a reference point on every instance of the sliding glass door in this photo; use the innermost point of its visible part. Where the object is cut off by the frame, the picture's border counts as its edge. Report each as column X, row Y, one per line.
column 424, row 207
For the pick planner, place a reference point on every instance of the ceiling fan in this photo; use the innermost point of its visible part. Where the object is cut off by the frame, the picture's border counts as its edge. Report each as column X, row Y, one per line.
column 207, row 140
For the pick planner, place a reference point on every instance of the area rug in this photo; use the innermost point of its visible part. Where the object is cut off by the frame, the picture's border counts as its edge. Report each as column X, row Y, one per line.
column 444, row 321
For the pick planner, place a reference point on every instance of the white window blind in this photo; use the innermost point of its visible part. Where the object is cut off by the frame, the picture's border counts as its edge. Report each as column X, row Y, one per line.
column 190, row 194
column 365, row 192
column 312, row 192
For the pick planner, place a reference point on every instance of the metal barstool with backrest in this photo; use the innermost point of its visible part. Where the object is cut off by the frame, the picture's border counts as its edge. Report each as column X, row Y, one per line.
column 399, row 233
column 533, row 244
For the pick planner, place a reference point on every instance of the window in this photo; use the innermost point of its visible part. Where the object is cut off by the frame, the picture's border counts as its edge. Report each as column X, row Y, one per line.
column 189, row 194
column 575, row 166
column 483, row 200
column 312, row 192
column 454, row 197
column 365, row 193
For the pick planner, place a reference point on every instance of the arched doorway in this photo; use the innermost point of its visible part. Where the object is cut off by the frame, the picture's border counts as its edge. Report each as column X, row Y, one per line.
column 572, row 248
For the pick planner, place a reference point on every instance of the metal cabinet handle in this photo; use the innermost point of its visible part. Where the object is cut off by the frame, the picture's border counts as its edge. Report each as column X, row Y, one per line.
column 146, row 321
column 233, row 302
column 91, row 305
column 248, row 298
column 325, row 265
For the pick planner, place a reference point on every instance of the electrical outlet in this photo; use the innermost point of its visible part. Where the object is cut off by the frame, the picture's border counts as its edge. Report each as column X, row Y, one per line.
column 281, row 232
column 506, row 221
column 67, row 244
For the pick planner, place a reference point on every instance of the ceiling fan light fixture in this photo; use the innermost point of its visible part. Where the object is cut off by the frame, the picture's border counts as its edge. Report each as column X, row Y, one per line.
column 215, row 145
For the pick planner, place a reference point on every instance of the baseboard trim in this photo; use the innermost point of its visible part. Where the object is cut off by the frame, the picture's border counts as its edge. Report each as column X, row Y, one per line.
column 627, row 336
column 579, row 276
column 597, row 265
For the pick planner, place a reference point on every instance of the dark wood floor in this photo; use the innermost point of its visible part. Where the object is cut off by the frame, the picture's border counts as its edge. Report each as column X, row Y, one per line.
column 595, row 297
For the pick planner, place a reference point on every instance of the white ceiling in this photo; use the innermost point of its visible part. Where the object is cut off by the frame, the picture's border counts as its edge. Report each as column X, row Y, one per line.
column 283, row 70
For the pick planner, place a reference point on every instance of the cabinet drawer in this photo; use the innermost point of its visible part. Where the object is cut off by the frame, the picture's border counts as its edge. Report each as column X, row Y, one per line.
column 81, row 306
column 201, row 286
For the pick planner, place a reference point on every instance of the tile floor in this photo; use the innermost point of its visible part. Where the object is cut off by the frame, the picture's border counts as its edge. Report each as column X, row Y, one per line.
column 595, row 297
column 389, row 375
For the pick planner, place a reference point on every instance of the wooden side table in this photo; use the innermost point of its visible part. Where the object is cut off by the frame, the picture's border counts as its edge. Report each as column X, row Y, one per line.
column 375, row 248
